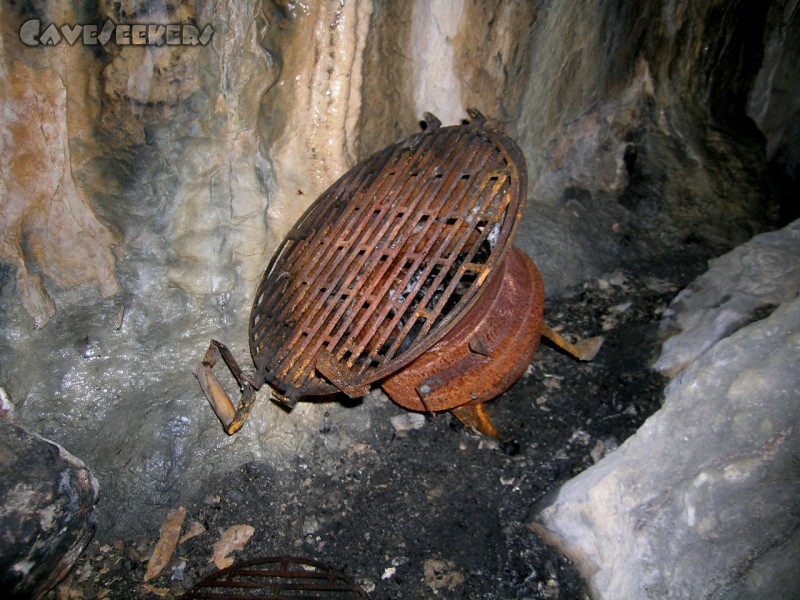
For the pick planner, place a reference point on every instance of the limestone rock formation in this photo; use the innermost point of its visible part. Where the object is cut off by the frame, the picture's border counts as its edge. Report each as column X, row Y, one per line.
column 702, row 502
column 316, row 105
column 48, row 514
column 46, row 225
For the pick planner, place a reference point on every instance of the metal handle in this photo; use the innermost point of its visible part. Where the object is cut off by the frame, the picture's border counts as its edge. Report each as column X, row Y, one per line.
column 232, row 418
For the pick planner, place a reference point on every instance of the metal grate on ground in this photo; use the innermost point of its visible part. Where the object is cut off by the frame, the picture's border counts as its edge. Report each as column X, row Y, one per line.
column 276, row 578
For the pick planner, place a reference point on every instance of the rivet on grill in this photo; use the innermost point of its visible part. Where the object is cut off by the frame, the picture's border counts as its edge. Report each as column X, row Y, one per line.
column 478, row 120
column 431, row 121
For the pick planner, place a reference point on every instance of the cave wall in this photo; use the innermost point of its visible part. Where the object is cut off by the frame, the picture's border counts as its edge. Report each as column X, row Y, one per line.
column 144, row 188
column 774, row 104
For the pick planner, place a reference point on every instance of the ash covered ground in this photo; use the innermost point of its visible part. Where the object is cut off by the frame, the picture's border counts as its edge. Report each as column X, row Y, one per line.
column 421, row 507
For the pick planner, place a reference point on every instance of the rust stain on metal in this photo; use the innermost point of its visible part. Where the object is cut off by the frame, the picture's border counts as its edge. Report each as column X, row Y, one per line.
column 486, row 352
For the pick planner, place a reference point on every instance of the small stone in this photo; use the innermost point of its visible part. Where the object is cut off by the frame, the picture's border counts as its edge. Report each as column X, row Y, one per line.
column 408, row 421
column 609, row 280
column 436, row 492
column 659, row 286
column 357, row 449
column 617, row 278
column 179, row 570
column 310, row 525
column 621, row 308
column 488, row 444
column 552, row 383
column 440, row 576
column 580, row 437
column 551, row 590
column 597, row 452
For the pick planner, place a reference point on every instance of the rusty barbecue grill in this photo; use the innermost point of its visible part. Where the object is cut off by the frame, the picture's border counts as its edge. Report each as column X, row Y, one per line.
column 383, row 266
column 278, row 577
column 385, row 261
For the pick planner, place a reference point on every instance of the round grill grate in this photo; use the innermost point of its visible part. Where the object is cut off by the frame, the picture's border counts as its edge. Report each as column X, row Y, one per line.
column 279, row 578
column 386, row 261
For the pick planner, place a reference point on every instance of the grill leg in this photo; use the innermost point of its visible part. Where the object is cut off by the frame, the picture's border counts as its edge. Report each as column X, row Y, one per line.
column 231, row 418
column 477, row 417
column 584, row 350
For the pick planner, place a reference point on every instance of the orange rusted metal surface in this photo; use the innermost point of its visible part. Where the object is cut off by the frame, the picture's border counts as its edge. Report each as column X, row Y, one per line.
column 486, row 352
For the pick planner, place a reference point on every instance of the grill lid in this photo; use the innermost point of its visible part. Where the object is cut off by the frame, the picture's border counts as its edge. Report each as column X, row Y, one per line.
column 384, row 263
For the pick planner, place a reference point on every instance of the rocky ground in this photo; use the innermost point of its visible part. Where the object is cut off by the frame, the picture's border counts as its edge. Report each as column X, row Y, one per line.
column 418, row 506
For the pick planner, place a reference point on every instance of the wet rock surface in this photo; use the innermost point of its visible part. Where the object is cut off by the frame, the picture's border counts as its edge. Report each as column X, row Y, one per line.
column 702, row 502
column 414, row 506
column 48, row 512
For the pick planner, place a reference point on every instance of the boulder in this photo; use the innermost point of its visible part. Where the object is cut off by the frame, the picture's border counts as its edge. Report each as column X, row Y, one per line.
column 48, row 512
column 704, row 500
column 740, row 286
